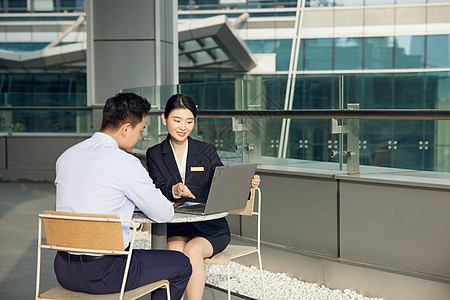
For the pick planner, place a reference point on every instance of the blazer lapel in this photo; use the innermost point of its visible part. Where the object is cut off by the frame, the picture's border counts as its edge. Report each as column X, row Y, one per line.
column 169, row 161
column 192, row 159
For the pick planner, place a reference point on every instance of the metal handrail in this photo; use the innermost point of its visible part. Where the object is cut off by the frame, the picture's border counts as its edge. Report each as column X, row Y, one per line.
column 404, row 114
column 46, row 108
column 408, row 114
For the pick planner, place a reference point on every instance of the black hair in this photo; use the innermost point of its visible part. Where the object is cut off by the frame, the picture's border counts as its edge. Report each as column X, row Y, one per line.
column 124, row 108
column 180, row 101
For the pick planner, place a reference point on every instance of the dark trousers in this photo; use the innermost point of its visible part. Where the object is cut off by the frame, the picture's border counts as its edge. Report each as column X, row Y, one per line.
column 104, row 276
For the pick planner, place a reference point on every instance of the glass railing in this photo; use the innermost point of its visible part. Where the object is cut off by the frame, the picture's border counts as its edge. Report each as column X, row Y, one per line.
column 230, row 5
column 398, row 121
column 402, row 134
column 44, row 113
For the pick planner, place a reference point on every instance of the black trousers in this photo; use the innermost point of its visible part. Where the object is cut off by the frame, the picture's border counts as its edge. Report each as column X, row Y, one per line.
column 104, row 276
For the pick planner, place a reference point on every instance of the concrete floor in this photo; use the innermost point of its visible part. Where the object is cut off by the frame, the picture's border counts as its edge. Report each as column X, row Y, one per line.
column 20, row 203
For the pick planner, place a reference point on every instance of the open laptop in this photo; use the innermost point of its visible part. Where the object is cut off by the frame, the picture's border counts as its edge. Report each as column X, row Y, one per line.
column 230, row 188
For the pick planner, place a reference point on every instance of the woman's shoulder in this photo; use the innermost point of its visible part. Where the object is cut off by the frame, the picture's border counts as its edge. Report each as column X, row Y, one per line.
column 200, row 144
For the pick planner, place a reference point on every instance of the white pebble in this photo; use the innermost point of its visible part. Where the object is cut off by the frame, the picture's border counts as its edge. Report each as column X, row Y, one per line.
column 246, row 281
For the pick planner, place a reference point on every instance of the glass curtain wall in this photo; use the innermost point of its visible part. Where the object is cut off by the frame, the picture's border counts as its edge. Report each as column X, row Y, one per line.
column 368, row 53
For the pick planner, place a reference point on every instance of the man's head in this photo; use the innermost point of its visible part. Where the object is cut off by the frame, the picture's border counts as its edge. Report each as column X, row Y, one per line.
column 124, row 117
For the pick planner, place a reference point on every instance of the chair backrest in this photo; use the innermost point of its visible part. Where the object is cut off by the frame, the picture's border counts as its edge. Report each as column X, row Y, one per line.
column 83, row 231
column 248, row 209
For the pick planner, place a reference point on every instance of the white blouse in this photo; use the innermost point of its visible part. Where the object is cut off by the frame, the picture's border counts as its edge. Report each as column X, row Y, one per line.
column 181, row 166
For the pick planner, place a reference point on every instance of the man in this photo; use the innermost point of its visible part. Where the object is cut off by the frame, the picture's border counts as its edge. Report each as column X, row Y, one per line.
column 99, row 176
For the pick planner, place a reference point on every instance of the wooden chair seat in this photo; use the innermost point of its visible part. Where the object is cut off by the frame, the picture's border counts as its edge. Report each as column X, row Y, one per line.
column 230, row 252
column 59, row 292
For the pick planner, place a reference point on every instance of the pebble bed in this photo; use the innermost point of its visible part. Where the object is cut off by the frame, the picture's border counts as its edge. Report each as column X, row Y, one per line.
column 246, row 281
column 278, row 286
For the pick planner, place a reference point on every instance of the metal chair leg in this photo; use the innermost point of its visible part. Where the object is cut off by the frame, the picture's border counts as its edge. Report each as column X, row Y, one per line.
column 261, row 274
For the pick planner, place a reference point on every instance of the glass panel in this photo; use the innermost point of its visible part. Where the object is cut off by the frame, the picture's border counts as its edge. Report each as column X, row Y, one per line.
column 315, row 92
column 261, row 3
column 377, row 91
column 319, row 3
column 348, row 2
column 19, row 47
column 412, row 1
column 17, row 5
column 318, row 54
column 348, row 54
column 409, row 92
column 283, row 48
column 205, row 4
column 71, row 5
column 286, row 3
column 261, row 46
column 438, row 51
column 51, row 121
column 409, row 52
column 378, row 52
column 379, row 2
column 301, row 55
column 405, row 144
column 231, row 4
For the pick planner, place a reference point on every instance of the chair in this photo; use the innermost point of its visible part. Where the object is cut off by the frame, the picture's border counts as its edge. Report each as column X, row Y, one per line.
column 88, row 233
column 235, row 251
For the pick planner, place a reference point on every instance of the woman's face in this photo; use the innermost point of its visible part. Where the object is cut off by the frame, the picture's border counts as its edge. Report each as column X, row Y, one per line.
column 180, row 123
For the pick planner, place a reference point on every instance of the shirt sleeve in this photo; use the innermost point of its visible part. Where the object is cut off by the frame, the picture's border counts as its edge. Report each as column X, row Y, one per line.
column 140, row 189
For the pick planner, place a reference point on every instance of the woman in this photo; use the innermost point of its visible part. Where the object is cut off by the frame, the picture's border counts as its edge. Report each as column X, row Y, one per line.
column 182, row 168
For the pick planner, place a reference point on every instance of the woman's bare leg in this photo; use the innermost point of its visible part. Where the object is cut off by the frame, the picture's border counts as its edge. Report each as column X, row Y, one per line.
column 197, row 249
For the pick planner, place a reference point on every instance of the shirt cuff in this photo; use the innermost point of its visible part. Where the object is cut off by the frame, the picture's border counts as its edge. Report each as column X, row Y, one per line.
column 175, row 196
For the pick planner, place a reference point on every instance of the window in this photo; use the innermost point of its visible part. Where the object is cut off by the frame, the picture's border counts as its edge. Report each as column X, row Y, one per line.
column 348, row 54
column 262, row 46
column 318, row 54
column 378, row 52
column 438, row 51
column 409, row 52
column 283, row 48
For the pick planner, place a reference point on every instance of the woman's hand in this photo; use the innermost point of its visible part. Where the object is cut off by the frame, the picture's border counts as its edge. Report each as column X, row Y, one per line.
column 181, row 190
column 256, row 180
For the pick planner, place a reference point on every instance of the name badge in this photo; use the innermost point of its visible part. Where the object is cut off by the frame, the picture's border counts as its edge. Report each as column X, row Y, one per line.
column 197, row 169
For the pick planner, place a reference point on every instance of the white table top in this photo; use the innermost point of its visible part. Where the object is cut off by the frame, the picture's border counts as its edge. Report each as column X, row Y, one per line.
column 180, row 217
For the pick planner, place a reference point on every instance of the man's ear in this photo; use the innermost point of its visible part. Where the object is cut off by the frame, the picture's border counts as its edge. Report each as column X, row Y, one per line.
column 124, row 129
column 163, row 118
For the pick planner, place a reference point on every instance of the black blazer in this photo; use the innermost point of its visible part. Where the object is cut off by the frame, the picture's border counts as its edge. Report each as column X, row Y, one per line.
column 202, row 159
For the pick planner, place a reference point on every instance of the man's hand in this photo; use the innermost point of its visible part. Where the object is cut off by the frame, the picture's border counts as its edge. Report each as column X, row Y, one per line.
column 256, row 180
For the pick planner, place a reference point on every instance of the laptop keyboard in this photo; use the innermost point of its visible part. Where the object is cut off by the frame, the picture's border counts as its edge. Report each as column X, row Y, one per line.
column 196, row 208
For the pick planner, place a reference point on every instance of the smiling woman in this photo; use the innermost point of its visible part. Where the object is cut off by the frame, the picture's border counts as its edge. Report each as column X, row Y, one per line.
column 182, row 168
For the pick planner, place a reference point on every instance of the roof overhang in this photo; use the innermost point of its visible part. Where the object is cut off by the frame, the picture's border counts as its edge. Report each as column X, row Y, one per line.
column 210, row 44
column 45, row 58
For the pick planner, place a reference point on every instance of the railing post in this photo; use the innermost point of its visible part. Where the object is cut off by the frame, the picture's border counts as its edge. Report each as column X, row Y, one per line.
column 353, row 142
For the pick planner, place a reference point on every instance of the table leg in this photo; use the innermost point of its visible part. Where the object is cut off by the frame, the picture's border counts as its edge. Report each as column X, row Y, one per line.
column 159, row 235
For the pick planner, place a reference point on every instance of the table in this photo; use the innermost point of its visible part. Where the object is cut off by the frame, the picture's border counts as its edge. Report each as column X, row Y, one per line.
column 159, row 230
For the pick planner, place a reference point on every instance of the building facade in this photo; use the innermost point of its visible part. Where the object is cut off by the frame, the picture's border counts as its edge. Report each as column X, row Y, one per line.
column 391, row 54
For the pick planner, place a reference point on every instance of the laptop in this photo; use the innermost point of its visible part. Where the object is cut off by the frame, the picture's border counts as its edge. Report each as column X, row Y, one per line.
column 230, row 188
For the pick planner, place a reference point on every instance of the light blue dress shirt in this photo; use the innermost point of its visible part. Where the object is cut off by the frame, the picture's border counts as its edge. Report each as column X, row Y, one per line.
column 96, row 176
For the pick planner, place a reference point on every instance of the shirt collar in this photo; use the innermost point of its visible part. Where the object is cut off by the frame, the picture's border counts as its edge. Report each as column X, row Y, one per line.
column 106, row 138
